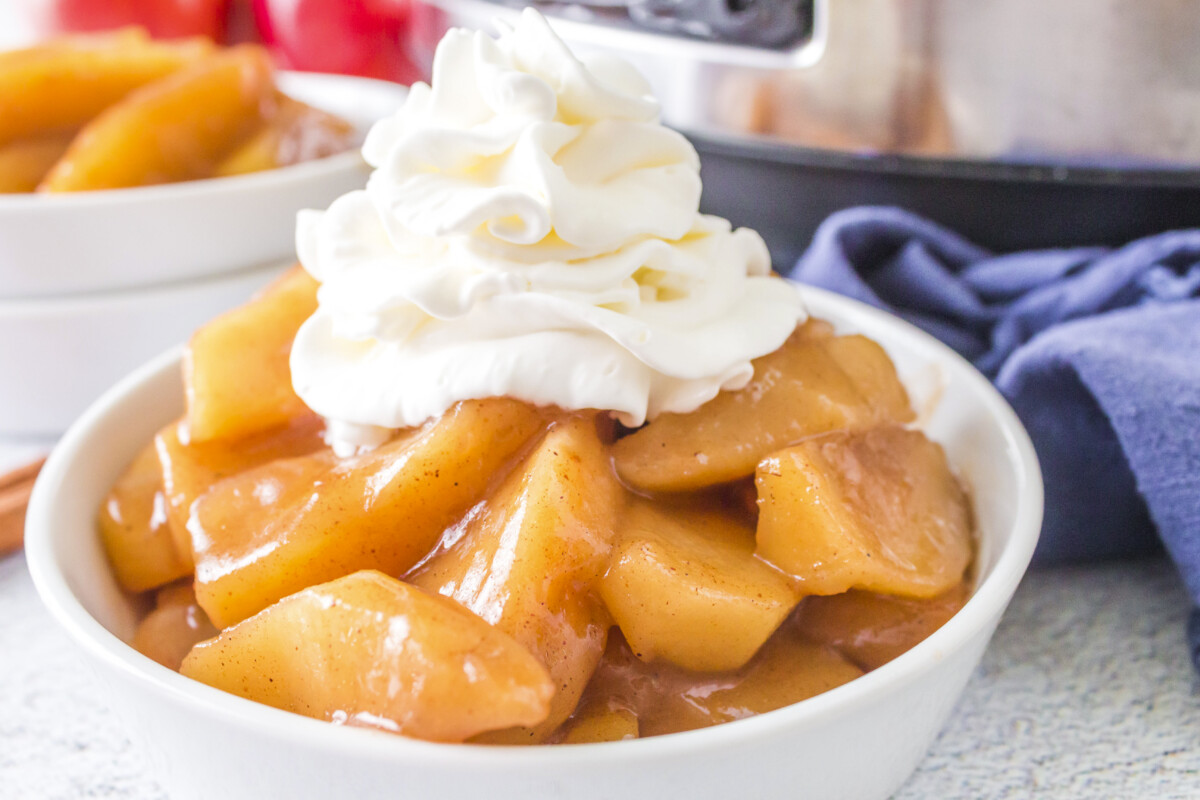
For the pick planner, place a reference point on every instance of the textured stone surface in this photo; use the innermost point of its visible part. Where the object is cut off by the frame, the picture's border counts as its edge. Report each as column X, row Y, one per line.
column 58, row 739
column 1085, row 692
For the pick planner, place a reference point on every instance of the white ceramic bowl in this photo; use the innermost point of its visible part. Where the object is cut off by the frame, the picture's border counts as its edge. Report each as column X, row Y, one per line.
column 60, row 354
column 101, row 241
column 860, row 740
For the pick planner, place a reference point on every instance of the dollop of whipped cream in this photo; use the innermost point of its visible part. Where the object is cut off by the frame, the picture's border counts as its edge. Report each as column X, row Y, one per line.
column 530, row 230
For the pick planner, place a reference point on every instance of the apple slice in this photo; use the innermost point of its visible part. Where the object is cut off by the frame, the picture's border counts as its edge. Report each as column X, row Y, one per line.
column 528, row 559
column 235, row 370
column 135, row 530
column 174, row 627
column 59, row 86
column 811, row 385
column 871, row 629
column 24, row 162
column 367, row 649
column 786, row 671
column 664, row 698
column 273, row 530
column 190, row 468
column 684, row 585
column 294, row 133
column 175, row 129
column 872, row 372
column 598, row 723
column 879, row 511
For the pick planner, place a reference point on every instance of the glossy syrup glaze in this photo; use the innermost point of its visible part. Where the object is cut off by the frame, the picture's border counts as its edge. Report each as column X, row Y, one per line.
column 643, row 611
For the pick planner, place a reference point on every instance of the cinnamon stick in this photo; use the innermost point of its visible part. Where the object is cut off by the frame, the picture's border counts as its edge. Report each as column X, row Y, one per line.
column 15, row 488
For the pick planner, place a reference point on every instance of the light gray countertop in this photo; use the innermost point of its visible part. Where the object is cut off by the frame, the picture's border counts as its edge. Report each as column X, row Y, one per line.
column 1086, row 692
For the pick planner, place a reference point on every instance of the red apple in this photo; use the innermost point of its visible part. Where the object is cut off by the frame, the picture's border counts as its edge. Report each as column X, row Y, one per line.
column 353, row 37
column 164, row 19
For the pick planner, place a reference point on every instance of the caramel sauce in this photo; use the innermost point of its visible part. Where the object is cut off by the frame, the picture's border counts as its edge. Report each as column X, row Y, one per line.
column 827, row 642
column 666, row 699
column 871, row 629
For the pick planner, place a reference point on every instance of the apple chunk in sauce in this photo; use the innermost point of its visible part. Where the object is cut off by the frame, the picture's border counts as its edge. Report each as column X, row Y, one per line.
column 528, row 559
column 815, row 383
column 371, row 650
column 273, row 530
column 879, row 511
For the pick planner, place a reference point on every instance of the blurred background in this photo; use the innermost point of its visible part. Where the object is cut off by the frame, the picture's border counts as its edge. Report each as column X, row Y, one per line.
column 1016, row 122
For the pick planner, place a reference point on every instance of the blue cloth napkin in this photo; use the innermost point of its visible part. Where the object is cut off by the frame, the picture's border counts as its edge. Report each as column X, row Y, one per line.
column 1097, row 349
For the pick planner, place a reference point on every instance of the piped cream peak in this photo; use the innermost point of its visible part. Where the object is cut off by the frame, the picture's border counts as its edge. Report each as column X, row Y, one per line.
column 530, row 230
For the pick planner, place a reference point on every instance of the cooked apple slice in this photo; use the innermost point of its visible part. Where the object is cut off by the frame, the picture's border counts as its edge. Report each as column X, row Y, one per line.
column 235, row 369
column 175, row 129
column 685, row 586
column 598, row 723
column 369, row 649
column 873, row 374
column 174, row 594
column 811, row 385
column 295, row 132
column 60, row 86
column 135, row 531
column 24, row 162
column 786, row 671
column 879, row 511
column 174, row 627
column 871, row 629
column 190, row 468
column 527, row 561
column 273, row 530
column 665, row 698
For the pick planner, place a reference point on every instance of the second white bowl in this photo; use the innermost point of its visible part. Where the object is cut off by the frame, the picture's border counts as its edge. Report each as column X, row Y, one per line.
column 60, row 354
column 53, row 245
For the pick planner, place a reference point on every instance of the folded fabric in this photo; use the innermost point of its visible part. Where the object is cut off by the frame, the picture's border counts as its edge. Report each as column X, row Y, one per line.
column 1097, row 349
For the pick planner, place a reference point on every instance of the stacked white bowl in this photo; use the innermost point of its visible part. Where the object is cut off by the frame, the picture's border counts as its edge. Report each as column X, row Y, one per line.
column 94, row 284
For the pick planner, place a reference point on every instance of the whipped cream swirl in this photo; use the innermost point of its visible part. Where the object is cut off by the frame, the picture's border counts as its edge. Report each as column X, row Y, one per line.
column 530, row 230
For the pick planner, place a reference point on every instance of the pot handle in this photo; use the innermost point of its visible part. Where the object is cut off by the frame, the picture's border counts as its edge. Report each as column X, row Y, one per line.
column 804, row 53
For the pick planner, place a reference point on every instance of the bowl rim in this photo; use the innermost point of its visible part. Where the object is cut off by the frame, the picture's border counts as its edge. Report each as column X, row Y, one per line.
column 182, row 190
column 267, row 180
column 984, row 606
